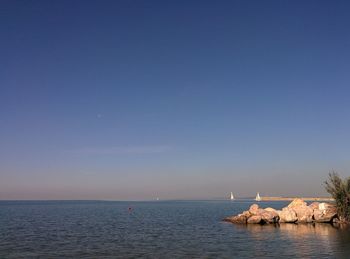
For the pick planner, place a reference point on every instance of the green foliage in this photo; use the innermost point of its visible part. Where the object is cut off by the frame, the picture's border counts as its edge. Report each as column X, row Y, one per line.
column 340, row 191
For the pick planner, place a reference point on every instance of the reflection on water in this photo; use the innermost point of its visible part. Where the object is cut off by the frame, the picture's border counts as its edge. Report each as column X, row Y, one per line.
column 295, row 230
column 301, row 240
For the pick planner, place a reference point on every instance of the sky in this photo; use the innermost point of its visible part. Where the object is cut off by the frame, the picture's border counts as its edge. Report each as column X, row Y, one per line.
column 133, row 100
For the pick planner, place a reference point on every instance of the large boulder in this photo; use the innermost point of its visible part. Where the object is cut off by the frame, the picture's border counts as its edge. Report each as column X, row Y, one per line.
column 287, row 215
column 270, row 209
column 325, row 213
column 314, row 205
column 254, row 209
column 324, row 206
column 297, row 203
column 254, row 220
column 269, row 216
column 246, row 213
column 304, row 212
column 240, row 219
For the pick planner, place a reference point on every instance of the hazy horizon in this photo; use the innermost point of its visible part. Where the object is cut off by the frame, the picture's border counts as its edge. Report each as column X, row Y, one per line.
column 134, row 100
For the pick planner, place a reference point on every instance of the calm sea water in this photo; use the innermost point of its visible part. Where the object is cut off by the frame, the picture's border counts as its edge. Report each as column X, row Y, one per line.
column 172, row 229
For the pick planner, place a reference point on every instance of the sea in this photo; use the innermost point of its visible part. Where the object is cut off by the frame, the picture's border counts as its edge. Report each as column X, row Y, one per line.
column 157, row 229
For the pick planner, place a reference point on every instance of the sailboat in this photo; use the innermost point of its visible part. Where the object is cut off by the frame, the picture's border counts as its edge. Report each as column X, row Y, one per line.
column 258, row 198
column 231, row 197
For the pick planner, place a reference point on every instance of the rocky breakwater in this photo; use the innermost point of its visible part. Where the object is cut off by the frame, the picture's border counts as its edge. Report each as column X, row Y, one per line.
column 298, row 211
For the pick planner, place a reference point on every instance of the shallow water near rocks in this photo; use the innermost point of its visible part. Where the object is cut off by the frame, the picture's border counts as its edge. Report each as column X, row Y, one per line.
column 162, row 229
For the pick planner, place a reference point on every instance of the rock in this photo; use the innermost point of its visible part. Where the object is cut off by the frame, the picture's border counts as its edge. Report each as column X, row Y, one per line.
column 296, row 212
column 270, row 209
column 260, row 212
column 317, row 214
column 326, row 215
column 304, row 212
column 323, row 206
column 297, row 203
column 287, row 216
column 335, row 220
column 254, row 220
column 246, row 213
column 239, row 219
column 269, row 216
column 314, row 205
column 254, row 209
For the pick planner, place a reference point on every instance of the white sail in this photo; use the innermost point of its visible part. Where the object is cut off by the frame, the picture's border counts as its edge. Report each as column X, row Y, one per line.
column 232, row 198
column 258, row 198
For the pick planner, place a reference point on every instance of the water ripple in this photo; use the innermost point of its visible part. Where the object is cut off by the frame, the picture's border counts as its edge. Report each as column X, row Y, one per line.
column 85, row 229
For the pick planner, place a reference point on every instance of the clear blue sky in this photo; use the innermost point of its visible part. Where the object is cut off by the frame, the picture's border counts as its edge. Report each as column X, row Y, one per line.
column 172, row 99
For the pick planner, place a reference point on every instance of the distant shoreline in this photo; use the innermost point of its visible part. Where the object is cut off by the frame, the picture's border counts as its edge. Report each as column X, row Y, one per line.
column 263, row 198
column 292, row 198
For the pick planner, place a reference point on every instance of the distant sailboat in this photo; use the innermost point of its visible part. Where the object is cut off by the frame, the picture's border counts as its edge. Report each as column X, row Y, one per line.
column 258, row 198
column 232, row 198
